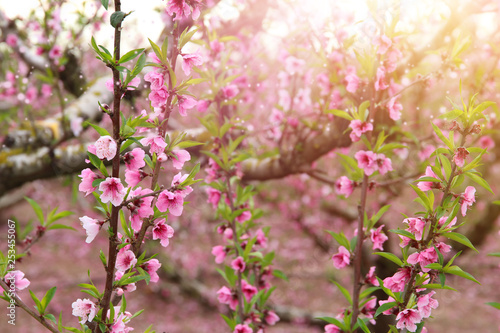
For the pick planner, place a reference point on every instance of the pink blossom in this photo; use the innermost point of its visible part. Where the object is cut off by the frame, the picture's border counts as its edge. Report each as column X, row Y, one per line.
column 426, row 152
column 397, row 282
column 330, row 328
column 384, row 164
column 17, row 278
column 460, row 156
column 55, row 53
column 91, row 227
column 184, row 103
column 426, row 186
column 271, row 318
column 486, row 142
column 261, row 238
column 109, row 84
column 404, row 241
column 394, row 108
column 408, row 318
column 182, row 9
column 133, row 177
column 134, row 159
column 294, row 65
column 371, row 278
column 128, row 287
column 119, row 325
column 219, row 252
column 341, row 259
column 238, row 264
column 76, row 125
column 424, row 258
column 180, row 156
column 426, row 303
column 140, row 208
column 105, row 147
column 46, row 90
column 158, row 97
column 443, row 219
column 11, row 40
column 190, row 60
column 366, row 161
column 443, row 247
column 384, row 43
column 151, row 266
column 344, row 186
column 358, row 128
column 157, row 144
column 171, row 201
column 230, row 91
column 125, row 259
column 244, row 216
column 88, row 176
column 391, row 61
column 202, row 105
column 213, row 197
column 177, row 181
column 378, row 238
column 380, row 83
column 163, row 232
column 242, row 328
column 248, row 290
column 467, row 199
column 85, row 309
column 112, row 190
column 225, row 296
column 388, row 300
column 415, row 226
column 216, row 46
column 155, row 79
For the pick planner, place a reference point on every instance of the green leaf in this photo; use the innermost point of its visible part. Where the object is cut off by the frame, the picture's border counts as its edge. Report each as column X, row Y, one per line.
column 141, row 62
column 455, row 270
column 452, row 114
column 37, row 302
column 450, row 145
column 279, row 274
column 340, row 238
column 477, row 179
column 438, row 286
column 38, row 210
column 51, row 318
column 47, row 298
column 105, row 4
column 60, row 226
column 363, row 115
column 379, row 214
column 333, row 321
column 99, row 129
column 341, row 114
column 460, row 239
column 130, row 55
column 496, row 254
column 392, row 257
column 362, row 324
column 116, row 18
column 384, row 307
column 344, row 292
column 496, row 305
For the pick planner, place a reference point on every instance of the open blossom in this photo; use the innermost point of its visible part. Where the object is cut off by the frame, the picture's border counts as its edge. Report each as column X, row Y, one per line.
column 341, row 259
column 460, row 156
column 367, row 160
column 140, row 208
column 85, row 309
column 157, row 144
column 225, row 296
column 190, row 60
column 17, row 277
column 230, row 91
column 172, row 201
column 151, row 266
column 394, row 108
column 330, row 328
column 271, row 318
column 415, row 226
column 125, row 259
column 124, row 288
column 261, row 238
column 248, row 290
column 384, row 164
column 358, row 128
column 88, row 176
column 443, row 219
column 352, row 83
column 158, row 97
column 398, row 281
column 180, row 156
column 134, row 159
column 112, row 190
column 378, row 238
column 56, row 52
column 184, row 103
column 370, row 277
column 163, row 232
column 156, row 79
column 182, row 8
column 133, row 177
column 467, row 199
column 344, row 186
column 242, row 328
column 408, row 319
column 213, row 197
column 380, row 83
column 238, row 264
column 424, row 258
column 426, row 186
column 486, row 142
column 384, row 43
column 219, row 252
column 426, row 303
column 105, row 147
column 91, row 227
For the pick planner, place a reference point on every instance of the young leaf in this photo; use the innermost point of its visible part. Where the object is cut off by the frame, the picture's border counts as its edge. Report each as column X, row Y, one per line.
column 392, row 257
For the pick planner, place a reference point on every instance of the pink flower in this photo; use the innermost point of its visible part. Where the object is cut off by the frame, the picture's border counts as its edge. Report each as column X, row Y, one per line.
column 112, row 190
column 344, row 186
column 213, row 197
column 486, row 142
column 244, row 216
column 378, row 238
column 426, row 186
column 151, row 266
column 157, row 144
column 11, row 40
column 225, row 296
column 91, row 227
column 182, row 9
column 384, row 164
column 219, row 252
column 460, row 156
column 467, row 199
column 261, row 238
column 105, row 147
column 185, row 102
column 341, row 259
column 202, row 105
column 17, row 278
column 330, row 328
column 294, row 65
column 55, row 53
column 139, row 208
column 394, row 108
column 397, row 282
column 415, row 226
column 366, row 161
column 134, row 159
column 133, row 177
column 163, row 232
column 180, row 156
column 371, row 278
column 352, row 83
column 271, row 318
column 443, row 219
column 248, row 290
column 155, row 79
column 125, row 259
column 230, row 91
column 384, row 43
column 242, row 328
column 158, row 97
column 424, row 258
column 380, row 83
column 190, row 60
column 388, row 300
column 171, row 201
column 358, row 128
column 238, row 264
column 408, row 318
column 425, row 304
column 88, row 176
column 109, row 84
column 85, row 309
column 216, row 46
